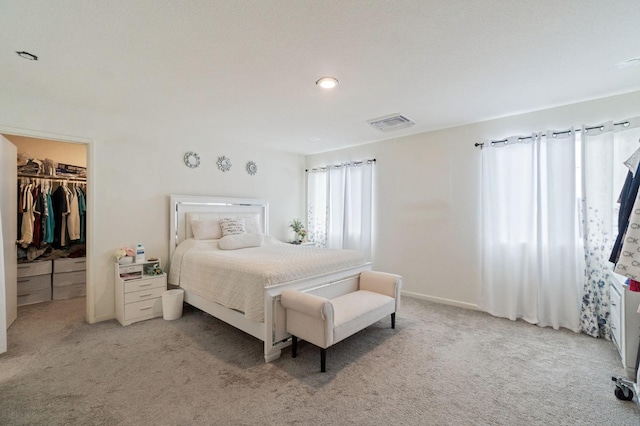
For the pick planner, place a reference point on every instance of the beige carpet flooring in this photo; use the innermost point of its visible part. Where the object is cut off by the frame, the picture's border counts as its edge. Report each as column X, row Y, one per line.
column 441, row 366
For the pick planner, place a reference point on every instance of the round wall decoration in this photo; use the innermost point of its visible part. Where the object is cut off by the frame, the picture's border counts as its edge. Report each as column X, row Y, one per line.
column 224, row 164
column 252, row 168
column 191, row 160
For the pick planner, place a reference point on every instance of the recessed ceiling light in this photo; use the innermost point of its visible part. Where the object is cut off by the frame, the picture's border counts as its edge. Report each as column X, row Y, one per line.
column 327, row 82
column 27, row 55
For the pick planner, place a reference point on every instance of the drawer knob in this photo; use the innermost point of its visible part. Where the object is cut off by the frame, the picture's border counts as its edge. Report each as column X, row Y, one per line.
column 144, row 309
column 146, row 295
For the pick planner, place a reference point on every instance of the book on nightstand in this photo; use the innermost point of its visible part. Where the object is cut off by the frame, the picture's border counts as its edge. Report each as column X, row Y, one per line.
column 131, row 276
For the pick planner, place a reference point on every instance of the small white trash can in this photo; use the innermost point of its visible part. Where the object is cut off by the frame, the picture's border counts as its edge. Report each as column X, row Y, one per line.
column 172, row 304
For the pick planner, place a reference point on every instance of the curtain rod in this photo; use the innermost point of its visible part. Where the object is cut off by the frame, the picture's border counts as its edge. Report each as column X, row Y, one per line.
column 337, row 166
column 520, row 139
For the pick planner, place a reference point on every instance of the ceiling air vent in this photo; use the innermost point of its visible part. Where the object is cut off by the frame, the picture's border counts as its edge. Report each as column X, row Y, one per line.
column 391, row 122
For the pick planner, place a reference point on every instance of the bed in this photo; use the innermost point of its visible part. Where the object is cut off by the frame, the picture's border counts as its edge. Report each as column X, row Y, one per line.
column 242, row 287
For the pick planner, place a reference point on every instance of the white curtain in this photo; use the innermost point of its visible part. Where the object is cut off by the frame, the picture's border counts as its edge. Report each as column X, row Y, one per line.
column 317, row 206
column 533, row 264
column 339, row 206
column 336, row 223
column 605, row 149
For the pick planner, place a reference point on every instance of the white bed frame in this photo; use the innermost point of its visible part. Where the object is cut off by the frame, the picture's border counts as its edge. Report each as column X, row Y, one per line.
column 272, row 331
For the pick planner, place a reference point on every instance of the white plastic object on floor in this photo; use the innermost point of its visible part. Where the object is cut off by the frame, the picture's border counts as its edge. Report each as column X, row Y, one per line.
column 172, row 304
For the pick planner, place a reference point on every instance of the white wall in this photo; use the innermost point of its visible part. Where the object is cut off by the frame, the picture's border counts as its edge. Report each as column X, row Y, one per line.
column 60, row 152
column 427, row 195
column 133, row 168
column 427, row 187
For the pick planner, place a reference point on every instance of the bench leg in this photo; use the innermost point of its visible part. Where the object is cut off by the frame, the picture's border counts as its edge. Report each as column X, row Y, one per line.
column 393, row 320
column 323, row 360
column 294, row 346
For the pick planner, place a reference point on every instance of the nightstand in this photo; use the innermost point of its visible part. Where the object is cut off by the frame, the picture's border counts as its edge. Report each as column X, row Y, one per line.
column 138, row 293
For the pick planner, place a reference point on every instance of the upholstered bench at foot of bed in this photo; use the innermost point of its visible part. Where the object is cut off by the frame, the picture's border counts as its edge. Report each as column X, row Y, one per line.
column 324, row 322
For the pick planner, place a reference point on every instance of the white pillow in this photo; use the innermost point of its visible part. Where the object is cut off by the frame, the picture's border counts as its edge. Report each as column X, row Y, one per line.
column 234, row 242
column 252, row 224
column 206, row 229
column 231, row 226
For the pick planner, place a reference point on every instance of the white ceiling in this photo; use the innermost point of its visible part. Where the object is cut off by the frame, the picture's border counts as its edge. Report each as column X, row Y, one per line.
column 245, row 71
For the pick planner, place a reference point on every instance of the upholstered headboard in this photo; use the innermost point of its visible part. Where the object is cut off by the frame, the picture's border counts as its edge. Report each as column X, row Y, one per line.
column 185, row 208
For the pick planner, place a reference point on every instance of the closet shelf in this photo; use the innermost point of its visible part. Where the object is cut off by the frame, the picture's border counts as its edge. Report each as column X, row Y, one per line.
column 55, row 178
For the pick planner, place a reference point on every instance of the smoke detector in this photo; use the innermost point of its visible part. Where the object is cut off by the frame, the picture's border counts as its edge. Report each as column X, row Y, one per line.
column 629, row 63
column 391, row 123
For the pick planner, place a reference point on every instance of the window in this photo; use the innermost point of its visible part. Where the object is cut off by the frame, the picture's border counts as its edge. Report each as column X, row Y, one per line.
column 339, row 203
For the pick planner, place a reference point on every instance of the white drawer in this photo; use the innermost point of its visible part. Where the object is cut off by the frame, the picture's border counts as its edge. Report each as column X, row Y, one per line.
column 29, row 284
column 69, row 265
column 147, row 308
column 69, row 291
column 36, row 296
column 34, row 268
column 137, row 296
column 145, row 284
column 127, row 269
column 69, row 278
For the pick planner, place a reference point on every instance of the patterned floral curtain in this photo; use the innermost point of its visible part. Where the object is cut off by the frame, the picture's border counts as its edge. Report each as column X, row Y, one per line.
column 317, row 206
column 597, row 220
column 605, row 150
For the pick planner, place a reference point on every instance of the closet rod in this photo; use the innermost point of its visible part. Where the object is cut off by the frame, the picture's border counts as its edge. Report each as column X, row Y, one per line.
column 564, row 132
column 56, row 178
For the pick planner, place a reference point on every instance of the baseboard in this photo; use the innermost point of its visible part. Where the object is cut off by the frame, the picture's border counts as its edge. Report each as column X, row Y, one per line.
column 101, row 318
column 442, row 300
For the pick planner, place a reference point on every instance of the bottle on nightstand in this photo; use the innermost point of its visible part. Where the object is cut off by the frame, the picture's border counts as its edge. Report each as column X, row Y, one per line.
column 140, row 254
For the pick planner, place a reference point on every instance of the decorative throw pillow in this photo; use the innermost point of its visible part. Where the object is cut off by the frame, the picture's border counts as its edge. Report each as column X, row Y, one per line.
column 206, row 229
column 232, row 226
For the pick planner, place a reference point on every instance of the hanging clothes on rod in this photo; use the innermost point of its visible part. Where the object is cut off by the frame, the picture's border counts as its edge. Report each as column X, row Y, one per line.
column 628, row 262
column 52, row 210
column 26, row 206
column 626, row 249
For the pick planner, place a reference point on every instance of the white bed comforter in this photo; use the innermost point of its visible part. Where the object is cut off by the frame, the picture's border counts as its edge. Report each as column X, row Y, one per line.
column 237, row 278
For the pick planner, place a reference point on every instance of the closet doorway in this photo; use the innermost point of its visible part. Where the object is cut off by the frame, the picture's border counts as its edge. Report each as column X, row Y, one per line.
column 51, row 220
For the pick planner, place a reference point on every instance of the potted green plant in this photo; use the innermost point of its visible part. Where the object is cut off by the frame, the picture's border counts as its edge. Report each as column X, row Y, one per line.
column 298, row 227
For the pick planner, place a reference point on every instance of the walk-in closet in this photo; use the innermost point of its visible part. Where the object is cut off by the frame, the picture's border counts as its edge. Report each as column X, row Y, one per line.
column 50, row 220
